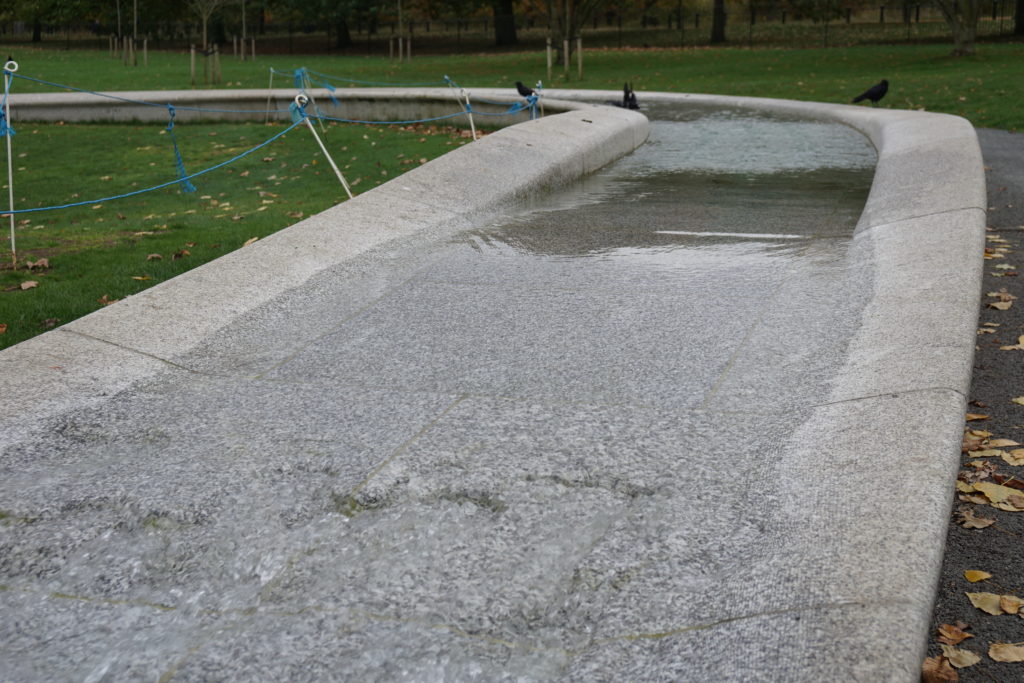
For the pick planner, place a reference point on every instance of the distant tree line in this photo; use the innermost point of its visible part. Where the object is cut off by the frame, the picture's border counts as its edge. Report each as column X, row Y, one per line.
column 565, row 18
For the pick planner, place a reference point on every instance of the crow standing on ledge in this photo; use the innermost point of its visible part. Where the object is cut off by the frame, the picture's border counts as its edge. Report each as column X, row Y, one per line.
column 874, row 93
column 523, row 90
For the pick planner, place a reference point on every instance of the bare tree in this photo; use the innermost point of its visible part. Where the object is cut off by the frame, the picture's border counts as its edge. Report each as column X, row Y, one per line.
column 206, row 9
column 962, row 17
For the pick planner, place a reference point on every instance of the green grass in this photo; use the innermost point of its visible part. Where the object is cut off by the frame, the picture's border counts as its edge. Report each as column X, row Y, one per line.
column 986, row 88
column 103, row 251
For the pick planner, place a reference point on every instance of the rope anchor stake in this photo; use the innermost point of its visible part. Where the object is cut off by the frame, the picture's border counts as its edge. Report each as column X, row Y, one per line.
column 299, row 109
column 5, row 129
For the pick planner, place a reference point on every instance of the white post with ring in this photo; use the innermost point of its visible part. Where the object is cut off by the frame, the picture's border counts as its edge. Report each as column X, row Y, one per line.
column 302, row 101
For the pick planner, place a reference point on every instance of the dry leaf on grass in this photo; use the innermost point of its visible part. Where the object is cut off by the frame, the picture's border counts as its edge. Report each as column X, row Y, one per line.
column 3, row 328
column 1007, row 652
column 976, row 575
column 29, row 284
column 250, row 241
column 938, row 670
column 960, row 658
column 986, row 602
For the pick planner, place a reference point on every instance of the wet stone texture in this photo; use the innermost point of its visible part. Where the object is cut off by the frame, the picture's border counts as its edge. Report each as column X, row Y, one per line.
column 545, row 448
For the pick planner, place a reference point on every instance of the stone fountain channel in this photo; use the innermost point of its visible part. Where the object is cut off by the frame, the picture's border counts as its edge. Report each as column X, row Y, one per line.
column 547, row 447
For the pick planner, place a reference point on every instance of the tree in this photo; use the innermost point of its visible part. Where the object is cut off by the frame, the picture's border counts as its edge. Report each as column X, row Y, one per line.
column 1018, row 19
column 504, row 22
column 962, row 17
column 718, row 22
column 568, row 17
column 205, row 9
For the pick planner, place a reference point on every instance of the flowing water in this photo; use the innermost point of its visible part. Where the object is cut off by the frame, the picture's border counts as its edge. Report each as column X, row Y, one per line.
column 540, row 449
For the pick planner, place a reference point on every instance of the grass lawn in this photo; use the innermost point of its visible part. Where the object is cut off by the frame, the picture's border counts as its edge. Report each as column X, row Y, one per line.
column 986, row 88
column 99, row 253
column 102, row 252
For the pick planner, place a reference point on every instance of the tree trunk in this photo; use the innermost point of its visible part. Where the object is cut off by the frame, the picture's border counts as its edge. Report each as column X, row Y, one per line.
column 344, row 37
column 718, row 22
column 962, row 18
column 1018, row 19
column 504, row 23
column 37, row 31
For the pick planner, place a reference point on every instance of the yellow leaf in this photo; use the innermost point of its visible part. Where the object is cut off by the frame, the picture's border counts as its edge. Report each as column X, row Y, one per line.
column 140, row 277
column 1010, row 604
column 1006, row 652
column 988, row 453
column 980, row 432
column 1019, row 400
column 959, row 658
column 1002, row 443
column 1000, row 305
column 986, row 602
column 250, row 241
column 1018, row 346
column 994, row 492
column 976, row 575
column 964, row 487
column 968, row 520
column 971, row 417
column 1014, row 457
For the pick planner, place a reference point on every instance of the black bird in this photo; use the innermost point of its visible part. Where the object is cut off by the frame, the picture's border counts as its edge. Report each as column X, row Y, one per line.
column 629, row 97
column 874, row 93
column 523, row 90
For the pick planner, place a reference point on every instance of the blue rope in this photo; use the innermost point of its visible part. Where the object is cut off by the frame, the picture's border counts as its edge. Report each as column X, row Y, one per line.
column 168, row 183
column 145, row 102
column 186, row 186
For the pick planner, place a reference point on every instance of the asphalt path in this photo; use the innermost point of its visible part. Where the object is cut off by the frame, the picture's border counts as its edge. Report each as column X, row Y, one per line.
column 998, row 378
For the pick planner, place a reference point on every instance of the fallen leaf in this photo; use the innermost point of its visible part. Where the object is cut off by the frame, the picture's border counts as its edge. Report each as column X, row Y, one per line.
column 964, row 487
column 988, row 453
column 1002, row 443
column 140, row 277
column 106, row 301
column 154, row 257
column 980, row 432
column 938, row 670
column 986, row 602
column 971, row 443
column 953, row 634
column 1019, row 346
column 29, row 284
column 180, row 254
column 1019, row 400
column 1010, row 604
column 1014, row 457
column 1002, row 295
column 1000, row 305
column 1016, row 500
column 976, row 575
column 250, row 241
column 974, row 417
column 975, row 498
column 3, row 328
column 969, row 520
column 1006, row 652
column 999, row 496
column 50, row 322
column 38, row 265
column 960, row 658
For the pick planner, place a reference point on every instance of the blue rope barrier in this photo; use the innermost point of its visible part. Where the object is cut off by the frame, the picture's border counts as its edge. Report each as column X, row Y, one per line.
column 169, row 183
column 145, row 102
column 186, row 186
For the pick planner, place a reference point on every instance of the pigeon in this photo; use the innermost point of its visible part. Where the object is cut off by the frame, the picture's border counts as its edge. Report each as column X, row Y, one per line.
column 523, row 90
column 874, row 93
